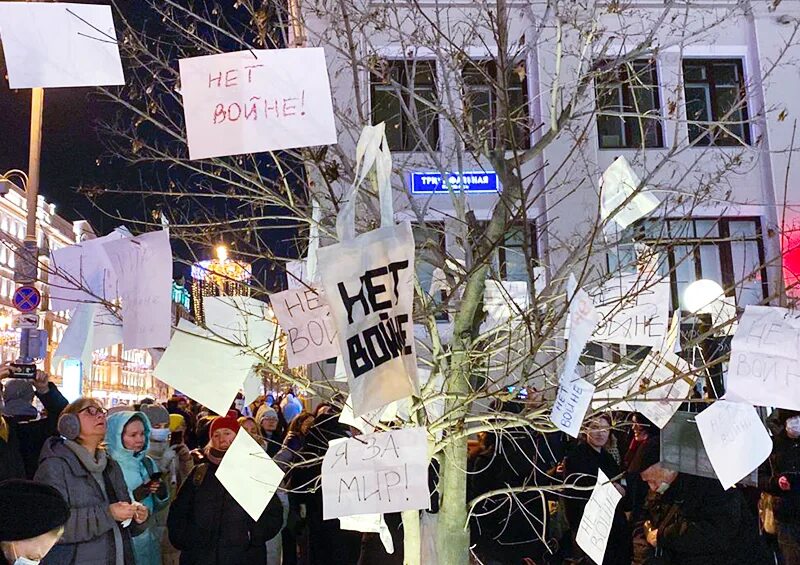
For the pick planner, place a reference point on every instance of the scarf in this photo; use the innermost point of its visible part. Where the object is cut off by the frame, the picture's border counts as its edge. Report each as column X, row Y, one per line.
column 95, row 464
column 214, row 455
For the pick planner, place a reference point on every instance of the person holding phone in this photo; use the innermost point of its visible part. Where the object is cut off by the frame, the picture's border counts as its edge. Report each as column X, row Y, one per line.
column 128, row 439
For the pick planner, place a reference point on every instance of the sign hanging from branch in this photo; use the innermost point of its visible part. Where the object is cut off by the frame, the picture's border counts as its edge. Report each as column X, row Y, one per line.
column 256, row 100
column 304, row 314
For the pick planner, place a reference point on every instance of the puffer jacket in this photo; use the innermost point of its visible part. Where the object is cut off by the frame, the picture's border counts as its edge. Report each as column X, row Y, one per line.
column 89, row 537
column 137, row 469
column 785, row 462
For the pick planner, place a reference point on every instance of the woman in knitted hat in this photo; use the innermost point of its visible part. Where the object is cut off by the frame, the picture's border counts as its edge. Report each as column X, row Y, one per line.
column 205, row 522
column 32, row 518
column 270, row 429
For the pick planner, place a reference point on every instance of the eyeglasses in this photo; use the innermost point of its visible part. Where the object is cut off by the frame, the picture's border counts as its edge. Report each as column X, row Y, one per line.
column 94, row 410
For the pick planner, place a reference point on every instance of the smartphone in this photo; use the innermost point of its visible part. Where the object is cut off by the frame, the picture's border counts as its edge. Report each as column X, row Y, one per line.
column 23, row 371
column 156, row 476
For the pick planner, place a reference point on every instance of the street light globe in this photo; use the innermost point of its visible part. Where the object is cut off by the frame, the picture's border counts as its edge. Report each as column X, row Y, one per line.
column 700, row 295
column 222, row 253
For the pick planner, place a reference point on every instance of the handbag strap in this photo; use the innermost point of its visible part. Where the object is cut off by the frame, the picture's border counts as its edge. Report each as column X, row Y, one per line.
column 372, row 151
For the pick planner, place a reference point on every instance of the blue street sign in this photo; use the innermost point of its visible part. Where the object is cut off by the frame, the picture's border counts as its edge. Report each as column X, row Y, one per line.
column 475, row 181
column 27, row 299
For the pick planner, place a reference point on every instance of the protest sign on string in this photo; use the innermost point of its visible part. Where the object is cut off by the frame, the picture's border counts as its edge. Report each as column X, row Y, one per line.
column 90, row 328
column 205, row 369
column 52, row 45
column 764, row 369
column 662, row 385
column 735, row 440
column 243, row 321
column 256, row 100
column 598, row 516
column 583, row 318
column 304, row 314
column 619, row 183
column 143, row 267
column 376, row 473
column 614, row 384
column 249, row 475
column 571, row 403
column 369, row 284
column 634, row 310
column 83, row 273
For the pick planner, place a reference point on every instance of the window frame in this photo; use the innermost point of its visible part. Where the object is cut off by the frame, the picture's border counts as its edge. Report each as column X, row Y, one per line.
column 498, row 262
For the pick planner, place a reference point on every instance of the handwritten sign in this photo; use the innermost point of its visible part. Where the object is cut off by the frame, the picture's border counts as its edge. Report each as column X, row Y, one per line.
column 376, row 473
column 143, row 266
column 249, row 475
column 369, row 285
column 305, row 316
column 598, row 516
column 256, row 100
column 243, row 321
column 572, row 402
column 735, row 439
column 613, row 384
column 765, row 358
column 661, row 387
column 634, row 311
column 59, row 44
column 583, row 319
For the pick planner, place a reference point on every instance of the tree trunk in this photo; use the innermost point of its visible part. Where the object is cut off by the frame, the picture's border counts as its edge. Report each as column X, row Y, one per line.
column 412, row 546
column 452, row 536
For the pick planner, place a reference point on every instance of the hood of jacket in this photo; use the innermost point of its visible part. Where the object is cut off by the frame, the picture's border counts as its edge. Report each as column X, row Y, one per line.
column 132, row 463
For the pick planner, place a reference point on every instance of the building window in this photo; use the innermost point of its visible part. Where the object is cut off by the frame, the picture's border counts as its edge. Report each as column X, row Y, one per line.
column 716, row 101
column 729, row 251
column 403, row 94
column 508, row 260
column 481, row 103
column 431, row 249
column 628, row 106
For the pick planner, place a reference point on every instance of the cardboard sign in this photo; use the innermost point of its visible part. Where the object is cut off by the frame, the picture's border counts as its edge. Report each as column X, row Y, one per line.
column 583, row 319
column 735, row 440
column 59, row 44
column 305, row 316
column 369, row 285
column 764, row 368
column 572, row 402
column 256, row 100
column 598, row 516
column 634, row 311
column 376, row 473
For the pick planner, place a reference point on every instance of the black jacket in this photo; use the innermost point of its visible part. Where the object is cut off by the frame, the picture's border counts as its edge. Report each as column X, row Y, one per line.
column 210, row 528
column 700, row 524
column 19, row 457
column 785, row 461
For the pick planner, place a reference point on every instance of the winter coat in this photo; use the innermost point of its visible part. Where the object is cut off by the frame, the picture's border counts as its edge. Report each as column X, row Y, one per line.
column 700, row 524
column 89, row 537
column 581, row 467
column 19, row 456
column 785, row 462
column 210, row 528
column 137, row 469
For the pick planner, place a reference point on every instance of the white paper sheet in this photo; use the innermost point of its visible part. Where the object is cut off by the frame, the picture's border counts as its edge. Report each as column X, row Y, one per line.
column 249, row 475
column 243, row 321
column 143, row 266
column 90, row 328
column 659, row 402
column 635, row 311
column 256, row 100
column 59, row 44
column 305, row 316
column 764, row 368
column 583, row 318
column 616, row 185
column 598, row 516
column 204, row 369
column 367, row 423
column 572, row 401
column 376, row 473
column 369, row 523
column 251, row 388
column 504, row 301
column 613, row 382
column 735, row 439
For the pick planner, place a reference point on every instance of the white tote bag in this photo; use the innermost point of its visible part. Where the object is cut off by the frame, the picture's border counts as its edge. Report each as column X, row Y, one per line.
column 369, row 284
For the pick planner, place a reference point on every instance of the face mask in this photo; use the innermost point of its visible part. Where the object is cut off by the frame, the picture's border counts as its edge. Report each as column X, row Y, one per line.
column 24, row 560
column 793, row 425
column 662, row 488
column 159, row 434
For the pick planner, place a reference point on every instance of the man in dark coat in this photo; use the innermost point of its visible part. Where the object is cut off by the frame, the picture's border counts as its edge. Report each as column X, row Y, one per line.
column 21, row 434
column 695, row 522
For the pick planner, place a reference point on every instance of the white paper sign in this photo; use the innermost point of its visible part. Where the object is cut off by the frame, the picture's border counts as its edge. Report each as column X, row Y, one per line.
column 256, row 100
column 369, row 523
column 617, row 184
column 376, row 473
column 59, row 44
column 252, row 386
column 203, row 368
column 598, row 516
column 583, row 318
column 90, row 328
column 735, row 440
column 656, row 396
column 765, row 358
column 305, row 316
column 572, row 402
column 249, row 475
column 143, row 266
column 635, row 311
column 243, row 321
column 504, row 301
column 367, row 423
column 369, row 285
column 614, row 383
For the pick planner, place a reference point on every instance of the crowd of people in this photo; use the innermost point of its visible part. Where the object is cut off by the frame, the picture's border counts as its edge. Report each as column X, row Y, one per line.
column 136, row 485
